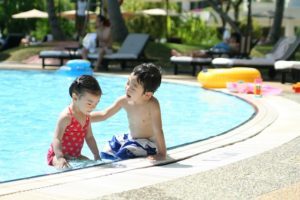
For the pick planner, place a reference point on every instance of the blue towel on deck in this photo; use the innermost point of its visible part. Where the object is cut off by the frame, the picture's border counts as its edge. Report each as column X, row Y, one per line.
column 124, row 147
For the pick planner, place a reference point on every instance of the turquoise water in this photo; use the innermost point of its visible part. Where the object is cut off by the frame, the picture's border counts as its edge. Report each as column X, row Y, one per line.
column 31, row 101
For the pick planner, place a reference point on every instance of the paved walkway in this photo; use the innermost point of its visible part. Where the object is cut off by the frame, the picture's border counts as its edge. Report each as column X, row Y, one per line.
column 257, row 161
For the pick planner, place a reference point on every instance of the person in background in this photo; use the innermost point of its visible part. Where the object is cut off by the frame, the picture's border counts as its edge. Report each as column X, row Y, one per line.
column 99, row 42
column 230, row 45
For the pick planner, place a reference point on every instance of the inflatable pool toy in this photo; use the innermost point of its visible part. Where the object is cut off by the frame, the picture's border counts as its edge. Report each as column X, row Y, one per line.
column 217, row 78
column 296, row 87
column 76, row 67
column 248, row 88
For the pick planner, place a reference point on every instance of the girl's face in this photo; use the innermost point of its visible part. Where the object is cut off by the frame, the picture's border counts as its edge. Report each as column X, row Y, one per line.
column 134, row 90
column 87, row 102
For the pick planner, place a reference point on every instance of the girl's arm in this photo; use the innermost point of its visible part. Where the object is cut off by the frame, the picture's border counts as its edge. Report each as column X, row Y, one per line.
column 91, row 142
column 110, row 111
column 158, row 132
column 62, row 123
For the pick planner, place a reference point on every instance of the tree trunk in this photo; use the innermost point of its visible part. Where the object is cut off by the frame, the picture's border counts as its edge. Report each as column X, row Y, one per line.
column 236, row 8
column 55, row 29
column 224, row 16
column 275, row 31
column 119, row 29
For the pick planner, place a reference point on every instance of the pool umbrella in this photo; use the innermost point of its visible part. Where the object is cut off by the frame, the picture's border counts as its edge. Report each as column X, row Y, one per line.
column 70, row 14
column 158, row 12
column 34, row 13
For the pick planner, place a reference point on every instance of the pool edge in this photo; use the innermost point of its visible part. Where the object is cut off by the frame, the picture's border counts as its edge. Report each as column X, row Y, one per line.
column 265, row 116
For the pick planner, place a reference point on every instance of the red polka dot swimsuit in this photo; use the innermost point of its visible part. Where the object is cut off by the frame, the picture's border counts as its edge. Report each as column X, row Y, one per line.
column 72, row 140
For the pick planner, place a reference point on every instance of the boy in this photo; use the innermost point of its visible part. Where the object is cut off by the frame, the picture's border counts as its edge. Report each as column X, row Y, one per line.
column 146, row 136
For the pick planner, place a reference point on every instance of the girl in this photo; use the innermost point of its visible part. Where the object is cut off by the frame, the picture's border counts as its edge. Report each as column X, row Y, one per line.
column 73, row 126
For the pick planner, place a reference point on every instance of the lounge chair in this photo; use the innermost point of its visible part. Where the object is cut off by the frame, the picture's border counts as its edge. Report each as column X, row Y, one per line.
column 288, row 66
column 61, row 55
column 132, row 49
column 216, row 51
column 284, row 49
column 12, row 40
column 190, row 61
column 198, row 62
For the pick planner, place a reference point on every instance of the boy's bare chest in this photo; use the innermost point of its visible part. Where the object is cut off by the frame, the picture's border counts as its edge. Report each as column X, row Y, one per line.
column 140, row 115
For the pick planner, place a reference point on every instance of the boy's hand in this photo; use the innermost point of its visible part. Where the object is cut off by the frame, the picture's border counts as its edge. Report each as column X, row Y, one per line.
column 157, row 157
column 63, row 163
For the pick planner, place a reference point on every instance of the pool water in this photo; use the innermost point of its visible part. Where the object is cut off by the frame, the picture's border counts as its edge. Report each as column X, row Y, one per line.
column 30, row 102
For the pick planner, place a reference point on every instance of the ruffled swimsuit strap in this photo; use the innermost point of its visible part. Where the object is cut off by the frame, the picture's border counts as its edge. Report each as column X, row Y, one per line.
column 70, row 110
column 71, row 113
column 87, row 119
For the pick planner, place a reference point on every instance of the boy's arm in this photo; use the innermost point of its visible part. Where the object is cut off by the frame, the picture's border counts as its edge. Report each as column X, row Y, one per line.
column 97, row 116
column 57, row 146
column 158, row 132
column 91, row 142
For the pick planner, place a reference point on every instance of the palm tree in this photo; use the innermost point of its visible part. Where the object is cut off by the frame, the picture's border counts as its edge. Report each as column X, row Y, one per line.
column 56, row 30
column 119, row 29
column 274, row 33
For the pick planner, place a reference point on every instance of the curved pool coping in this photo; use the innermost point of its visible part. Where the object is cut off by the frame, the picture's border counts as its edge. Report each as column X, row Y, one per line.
column 265, row 116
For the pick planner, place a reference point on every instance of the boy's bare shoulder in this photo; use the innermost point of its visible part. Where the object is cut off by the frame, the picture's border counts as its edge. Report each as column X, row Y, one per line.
column 154, row 101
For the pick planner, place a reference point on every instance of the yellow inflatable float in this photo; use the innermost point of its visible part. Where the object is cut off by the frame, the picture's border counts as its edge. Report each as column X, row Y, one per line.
column 217, row 78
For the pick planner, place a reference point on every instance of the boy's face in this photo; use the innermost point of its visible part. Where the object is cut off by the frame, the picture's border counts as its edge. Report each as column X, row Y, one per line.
column 87, row 102
column 134, row 89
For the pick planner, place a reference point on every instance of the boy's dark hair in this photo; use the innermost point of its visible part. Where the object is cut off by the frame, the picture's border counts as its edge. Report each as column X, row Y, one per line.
column 85, row 83
column 236, row 36
column 149, row 76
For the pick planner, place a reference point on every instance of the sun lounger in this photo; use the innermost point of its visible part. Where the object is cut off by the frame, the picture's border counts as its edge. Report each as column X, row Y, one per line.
column 288, row 66
column 57, row 54
column 12, row 40
column 132, row 49
column 191, row 61
column 284, row 49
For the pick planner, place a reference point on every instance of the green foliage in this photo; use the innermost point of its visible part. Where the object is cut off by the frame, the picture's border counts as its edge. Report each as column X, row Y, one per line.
column 189, row 29
column 37, row 27
column 297, row 32
column 68, row 27
column 192, row 30
column 8, row 8
column 256, row 29
column 133, row 5
column 153, row 25
column 42, row 29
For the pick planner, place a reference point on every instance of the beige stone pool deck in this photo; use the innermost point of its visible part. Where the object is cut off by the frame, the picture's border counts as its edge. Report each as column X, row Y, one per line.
column 258, row 160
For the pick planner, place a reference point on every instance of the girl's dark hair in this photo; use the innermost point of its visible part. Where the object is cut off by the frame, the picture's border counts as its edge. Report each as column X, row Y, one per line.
column 104, row 20
column 149, row 76
column 85, row 83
